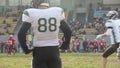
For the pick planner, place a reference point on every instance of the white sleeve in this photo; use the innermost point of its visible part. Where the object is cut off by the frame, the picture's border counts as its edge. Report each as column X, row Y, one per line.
column 63, row 15
column 109, row 24
column 26, row 16
column 109, row 31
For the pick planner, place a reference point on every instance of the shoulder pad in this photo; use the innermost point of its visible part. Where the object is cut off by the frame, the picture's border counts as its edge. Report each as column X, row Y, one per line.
column 28, row 11
column 25, row 12
column 109, row 21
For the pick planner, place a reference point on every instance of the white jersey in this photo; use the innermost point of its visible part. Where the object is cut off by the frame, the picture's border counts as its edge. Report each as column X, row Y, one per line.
column 115, row 33
column 45, row 24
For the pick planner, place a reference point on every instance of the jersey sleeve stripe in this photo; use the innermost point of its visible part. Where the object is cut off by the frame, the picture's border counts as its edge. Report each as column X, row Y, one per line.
column 109, row 22
column 26, row 13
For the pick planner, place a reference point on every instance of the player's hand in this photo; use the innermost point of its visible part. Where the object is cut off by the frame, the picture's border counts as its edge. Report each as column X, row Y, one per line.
column 29, row 50
column 98, row 36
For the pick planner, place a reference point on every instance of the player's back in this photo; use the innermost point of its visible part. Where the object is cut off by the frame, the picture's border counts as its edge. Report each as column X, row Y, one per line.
column 45, row 25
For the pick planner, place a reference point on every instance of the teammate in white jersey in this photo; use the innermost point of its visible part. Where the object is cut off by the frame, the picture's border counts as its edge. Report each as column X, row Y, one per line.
column 45, row 22
column 113, row 30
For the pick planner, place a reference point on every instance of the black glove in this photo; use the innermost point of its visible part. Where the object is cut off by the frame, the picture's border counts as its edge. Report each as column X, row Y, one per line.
column 64, row 46
column 29, row 50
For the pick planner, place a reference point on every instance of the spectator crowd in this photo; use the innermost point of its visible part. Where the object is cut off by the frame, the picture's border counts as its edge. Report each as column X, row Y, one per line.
column 81, row 45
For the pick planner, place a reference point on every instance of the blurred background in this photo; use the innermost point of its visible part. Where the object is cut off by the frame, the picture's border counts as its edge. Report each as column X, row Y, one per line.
column 85, row 17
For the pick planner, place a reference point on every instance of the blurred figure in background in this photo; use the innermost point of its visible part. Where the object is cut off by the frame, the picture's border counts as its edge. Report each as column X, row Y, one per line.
column 102, row 44
column 95, row 44
column 11, row 45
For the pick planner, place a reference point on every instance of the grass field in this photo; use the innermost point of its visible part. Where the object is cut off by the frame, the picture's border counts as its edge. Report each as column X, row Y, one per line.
column 69, row 60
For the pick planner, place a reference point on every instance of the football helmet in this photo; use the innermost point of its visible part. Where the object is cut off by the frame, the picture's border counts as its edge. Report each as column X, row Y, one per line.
column 11, row 36
column 112, row 15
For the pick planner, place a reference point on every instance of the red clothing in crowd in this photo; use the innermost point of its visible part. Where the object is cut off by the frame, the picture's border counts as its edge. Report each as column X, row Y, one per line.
column 78, row 43
column 88, row 43
column 102, row 43
column 95, row 43
column 11, row 42
column 6, row 43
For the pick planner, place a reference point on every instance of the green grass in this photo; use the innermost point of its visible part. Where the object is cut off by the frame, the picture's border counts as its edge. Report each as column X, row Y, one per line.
column 69, row 60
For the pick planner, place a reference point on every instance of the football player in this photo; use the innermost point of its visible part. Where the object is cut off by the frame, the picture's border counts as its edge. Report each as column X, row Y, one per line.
column 45, row 22
column 113, row 30
column 11, row 45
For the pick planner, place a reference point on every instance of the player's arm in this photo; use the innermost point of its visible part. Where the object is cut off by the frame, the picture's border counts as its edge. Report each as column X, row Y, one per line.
column 22, row 36
column 67, row 34
column 109, row 25
column 107, row 33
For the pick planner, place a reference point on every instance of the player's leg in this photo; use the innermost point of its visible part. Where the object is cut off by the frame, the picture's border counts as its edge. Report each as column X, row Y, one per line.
column 37, row 64
column 9, row 50
column 104, row 62
column 14, row 49
column 107, row 53
column 39, row 58
column 54, row 58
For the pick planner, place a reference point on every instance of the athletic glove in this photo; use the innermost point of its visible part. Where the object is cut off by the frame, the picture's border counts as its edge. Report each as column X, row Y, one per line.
column 29, row 50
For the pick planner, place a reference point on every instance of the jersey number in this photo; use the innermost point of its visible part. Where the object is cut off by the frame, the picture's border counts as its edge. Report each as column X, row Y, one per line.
column 42, row 22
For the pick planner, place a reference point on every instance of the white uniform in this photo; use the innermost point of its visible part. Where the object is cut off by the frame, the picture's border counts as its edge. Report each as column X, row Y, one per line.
column 115, row 31
column 45, row 24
